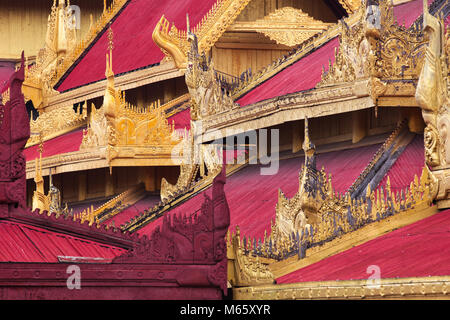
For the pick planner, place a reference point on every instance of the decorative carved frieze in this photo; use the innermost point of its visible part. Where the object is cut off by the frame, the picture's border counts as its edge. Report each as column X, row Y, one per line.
column 286, row 26
column 54, row 123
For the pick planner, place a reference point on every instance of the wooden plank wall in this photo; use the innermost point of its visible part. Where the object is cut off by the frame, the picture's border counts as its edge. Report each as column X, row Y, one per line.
column 23, row 24
column 236, row 52
column 257, row 9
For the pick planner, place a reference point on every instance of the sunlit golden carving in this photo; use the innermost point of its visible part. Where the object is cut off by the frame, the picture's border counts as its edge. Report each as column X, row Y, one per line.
column 118, row 124
column 194, row 159
column 339, row 215
column 350, row 5
column 59, row 41
column 246, row 270
column 207, row 96
column 287, row 26
column 40, row 200
column 56, row 122
column 174, row 43
column 433, row 96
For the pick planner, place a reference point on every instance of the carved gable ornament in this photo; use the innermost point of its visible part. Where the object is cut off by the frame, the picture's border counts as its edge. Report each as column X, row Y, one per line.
column 289, row 26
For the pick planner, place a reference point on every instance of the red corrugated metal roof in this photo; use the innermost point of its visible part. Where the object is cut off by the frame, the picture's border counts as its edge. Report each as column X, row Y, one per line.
column 408, row 164
column 300, row 76
column 24, row 243
column 252, row 197
column 419, row 250
column 133, row 44
column 130, row 212
column 68, row 142
column 181, row 119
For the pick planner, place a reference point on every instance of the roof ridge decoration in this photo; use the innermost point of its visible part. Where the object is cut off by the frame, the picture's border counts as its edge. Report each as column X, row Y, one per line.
column 207, row 96
column 59, row 43
column 432, row 95
column 351, row 57
column 317, row 215
column 355, row 188
column 174, row 43
column 40, row 200
column 372, row 46
column 117, row 123
column 392, row 288
column 112, row 207
column 287, row 26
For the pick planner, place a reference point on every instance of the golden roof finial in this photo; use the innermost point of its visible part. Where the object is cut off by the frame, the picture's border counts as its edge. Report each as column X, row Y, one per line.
column 109, row 72
column 110, row 40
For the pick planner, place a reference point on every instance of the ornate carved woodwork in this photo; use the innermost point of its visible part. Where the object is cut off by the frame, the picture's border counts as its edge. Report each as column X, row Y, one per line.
column 433, row 96
column 14, row 133
column 195, row 156
column 174, row 43
column 124, row 130
column 51, row 124
column 59, row 41
column 207, row 96
column 196, row 238
column 287, row 26
column 245, row 270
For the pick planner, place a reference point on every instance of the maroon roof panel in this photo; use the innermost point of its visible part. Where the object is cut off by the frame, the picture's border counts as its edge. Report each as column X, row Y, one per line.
column 133, row 44
column 252, row 197
column 421, row 249
column 24, row 243
column 68, row 142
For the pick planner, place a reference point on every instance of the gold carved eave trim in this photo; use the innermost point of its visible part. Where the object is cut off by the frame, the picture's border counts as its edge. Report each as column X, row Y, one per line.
column 398, row 288
column 349, row 240
column 96, row 158
column 315, row 103
column 127, row 81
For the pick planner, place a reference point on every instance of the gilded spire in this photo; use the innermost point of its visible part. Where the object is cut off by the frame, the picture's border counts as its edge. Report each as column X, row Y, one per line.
column 40, row 200
column 308, row 146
